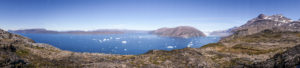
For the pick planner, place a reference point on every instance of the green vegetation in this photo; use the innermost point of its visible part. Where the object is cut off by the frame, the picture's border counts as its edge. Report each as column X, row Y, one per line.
column 213, row 45
column 298, row 34
column 250, row 50
column 22, row 52
column 159, row 58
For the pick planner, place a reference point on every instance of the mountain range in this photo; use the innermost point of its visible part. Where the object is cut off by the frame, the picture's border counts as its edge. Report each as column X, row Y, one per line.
column 263, row 42
column 99, row 31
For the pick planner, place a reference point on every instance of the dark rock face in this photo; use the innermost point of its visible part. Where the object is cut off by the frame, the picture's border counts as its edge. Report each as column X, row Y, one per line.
column 292, row 26
column 181, row 31
column 287, row 59
column 262, row 22
column 262, row 16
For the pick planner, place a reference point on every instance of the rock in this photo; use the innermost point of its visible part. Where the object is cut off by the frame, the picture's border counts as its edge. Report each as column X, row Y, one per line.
column 181, row 31
column 267, row 47
column 262, row 16
column 260, row 23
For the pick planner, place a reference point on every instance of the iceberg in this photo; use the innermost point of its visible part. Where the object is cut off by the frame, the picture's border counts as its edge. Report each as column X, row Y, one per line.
column 170, row 47
column 117, row 38
column 190, row 44
column 124, row 42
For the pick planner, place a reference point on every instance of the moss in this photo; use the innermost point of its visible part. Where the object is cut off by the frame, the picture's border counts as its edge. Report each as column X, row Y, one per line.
column 36, row 47
column 298, row 34
column 158, row 59
column 250, row 50
column 212, row 45
column 227, row 64
column 215, row 58
column 22, row 52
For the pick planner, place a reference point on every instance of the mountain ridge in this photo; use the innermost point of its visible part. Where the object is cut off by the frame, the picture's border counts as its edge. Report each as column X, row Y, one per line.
column 269, row 48
column 180, row 31
column 99, row 31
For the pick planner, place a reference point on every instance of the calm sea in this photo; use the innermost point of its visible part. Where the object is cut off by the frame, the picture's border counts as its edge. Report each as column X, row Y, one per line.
column 124, row 44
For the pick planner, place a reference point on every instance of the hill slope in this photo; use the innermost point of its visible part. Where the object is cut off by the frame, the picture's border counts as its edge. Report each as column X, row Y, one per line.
column 273, row 47
column 181, row 31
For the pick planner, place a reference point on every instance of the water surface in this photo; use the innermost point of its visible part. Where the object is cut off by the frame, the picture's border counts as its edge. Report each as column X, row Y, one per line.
column 130, row 43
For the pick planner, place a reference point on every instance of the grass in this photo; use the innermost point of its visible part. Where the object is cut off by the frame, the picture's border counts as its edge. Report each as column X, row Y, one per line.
column 213, row 45
column 298, row 34
column 22, row 52
column 249, row 50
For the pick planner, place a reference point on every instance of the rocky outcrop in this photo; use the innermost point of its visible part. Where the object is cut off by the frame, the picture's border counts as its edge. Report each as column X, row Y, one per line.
column 260, row 23
column 287, row 59
column 181, row 31
column 276, row 47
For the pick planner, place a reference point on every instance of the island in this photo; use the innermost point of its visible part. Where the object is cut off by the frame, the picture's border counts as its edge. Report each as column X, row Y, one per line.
column 180, row 31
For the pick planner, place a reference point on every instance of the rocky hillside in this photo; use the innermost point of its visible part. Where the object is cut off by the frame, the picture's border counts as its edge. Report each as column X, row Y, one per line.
column 181, row 31
column 261, row 23
column 276, row 47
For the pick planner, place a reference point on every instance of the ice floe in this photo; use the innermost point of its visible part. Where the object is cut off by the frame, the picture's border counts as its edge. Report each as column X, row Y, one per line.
column 117, row 38
column 124, row 42
column 170, row 47
column 190, row 44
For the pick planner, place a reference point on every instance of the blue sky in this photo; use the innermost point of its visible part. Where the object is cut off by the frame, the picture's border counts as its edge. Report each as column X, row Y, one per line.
column 205, row 15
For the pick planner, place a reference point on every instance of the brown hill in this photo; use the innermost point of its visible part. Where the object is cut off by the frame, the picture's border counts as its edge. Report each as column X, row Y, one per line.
column 181, row 31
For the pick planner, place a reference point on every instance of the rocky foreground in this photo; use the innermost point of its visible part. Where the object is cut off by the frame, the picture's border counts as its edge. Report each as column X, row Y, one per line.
column 272, row 47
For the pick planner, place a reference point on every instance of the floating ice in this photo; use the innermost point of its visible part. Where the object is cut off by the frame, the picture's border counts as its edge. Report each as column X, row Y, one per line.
column 170, row 47
column 110, row 37
column 125, row 49
column 140, row 37
column 100, row 41
column 124, row 42
column 117, row 38
column 105, row 39
column 190, row 44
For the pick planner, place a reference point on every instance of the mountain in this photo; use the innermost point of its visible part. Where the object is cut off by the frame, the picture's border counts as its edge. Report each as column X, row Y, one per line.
column 222, row 33
column 181, row 31
column 261, row 23
column 277, row 47
column 100, row 31
column 34, row 31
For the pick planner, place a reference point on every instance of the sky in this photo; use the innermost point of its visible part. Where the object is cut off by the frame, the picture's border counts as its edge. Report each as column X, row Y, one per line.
column 205, row 15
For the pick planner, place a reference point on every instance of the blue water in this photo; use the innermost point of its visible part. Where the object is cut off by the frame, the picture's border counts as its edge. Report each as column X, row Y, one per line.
column 124, row 44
